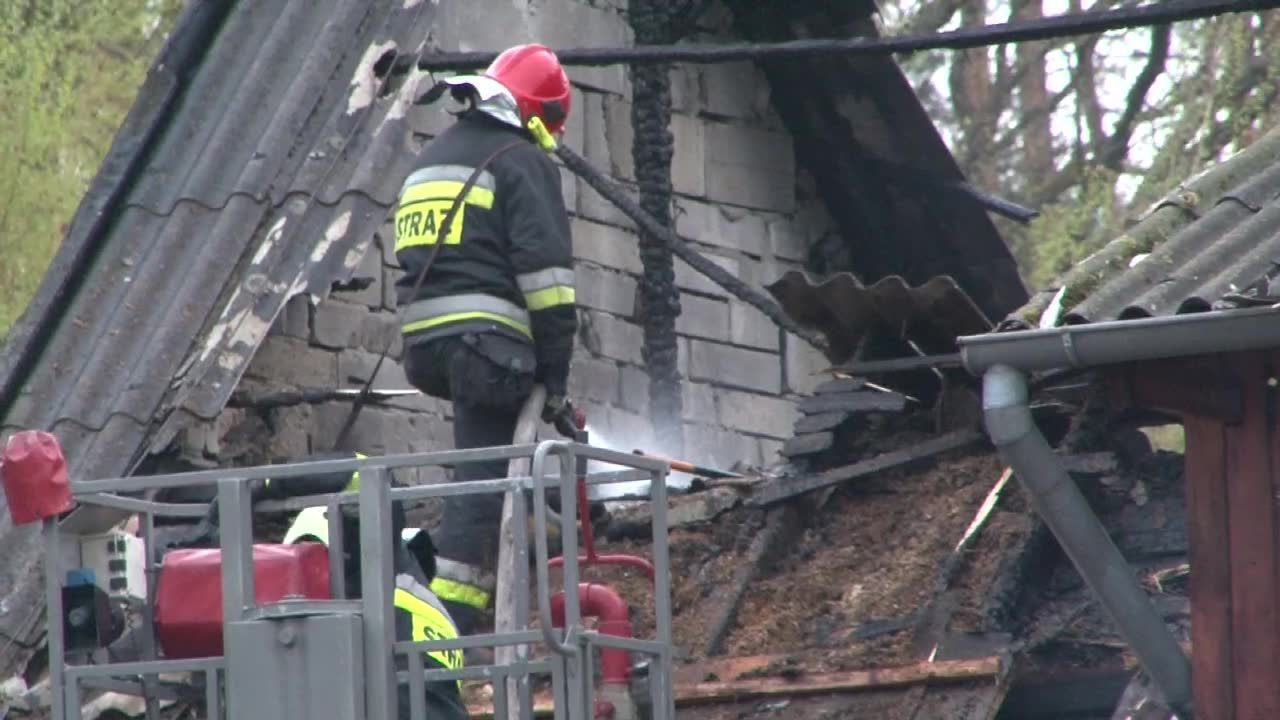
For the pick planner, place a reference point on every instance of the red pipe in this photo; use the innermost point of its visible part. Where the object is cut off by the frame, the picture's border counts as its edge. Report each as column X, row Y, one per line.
column 607, row 606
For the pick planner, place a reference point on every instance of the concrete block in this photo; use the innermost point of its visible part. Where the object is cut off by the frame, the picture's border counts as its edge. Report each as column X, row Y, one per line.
column 568, row 188
column 482, row 26
column 688, row 165
column 803, row 364
column 592, row 206
column 691, row 280
column 735, row 90
column 595, row 146
column 749, row 167
column 770, row 451
column 787, row 239
column 703, row 317
column 606, row 245
column 686, row 89
column 713, row 445
column 698, row 403
column 430, row 120
column 612, row 337
column 749, row 326
column 729, row 366
column 757, row 414
column 619, row 135
column 385, row 238
column 682, row 356
column 594, row 380
column 294, row 319
column 369, row 274
column 337, row 324
column 575, row 129
column 378, row 331
column 605, row 290
column 294, row 362
column 726, row 227
column 390, row 276
column 355, row 366
column 634, row 389
column 291, row 437
column 687, row 162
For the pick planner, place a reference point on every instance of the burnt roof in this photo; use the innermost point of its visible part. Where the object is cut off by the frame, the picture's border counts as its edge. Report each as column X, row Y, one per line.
column 933, row 314
column 1212, row 243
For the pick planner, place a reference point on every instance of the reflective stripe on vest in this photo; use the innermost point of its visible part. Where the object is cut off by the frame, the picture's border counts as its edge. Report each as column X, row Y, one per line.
column 547, row 288
column 430, row 621
column 427, row 314
column 460, row 592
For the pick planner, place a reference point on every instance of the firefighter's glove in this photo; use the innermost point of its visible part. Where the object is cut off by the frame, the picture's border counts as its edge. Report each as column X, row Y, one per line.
column 558, row 411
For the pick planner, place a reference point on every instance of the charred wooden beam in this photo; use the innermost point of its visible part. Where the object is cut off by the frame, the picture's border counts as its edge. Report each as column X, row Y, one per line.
column 784, row 489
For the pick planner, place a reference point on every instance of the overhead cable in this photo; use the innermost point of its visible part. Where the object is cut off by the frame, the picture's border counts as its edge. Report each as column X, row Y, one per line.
column 1069, row 24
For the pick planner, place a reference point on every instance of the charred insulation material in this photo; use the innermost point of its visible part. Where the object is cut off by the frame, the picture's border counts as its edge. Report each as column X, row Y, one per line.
column 655, row 23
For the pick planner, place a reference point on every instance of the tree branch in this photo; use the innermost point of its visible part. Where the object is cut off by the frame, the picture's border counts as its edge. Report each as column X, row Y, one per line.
column 1117, row 146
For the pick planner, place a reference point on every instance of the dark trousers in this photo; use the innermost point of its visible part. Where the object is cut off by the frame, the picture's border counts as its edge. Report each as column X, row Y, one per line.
column 487, row 377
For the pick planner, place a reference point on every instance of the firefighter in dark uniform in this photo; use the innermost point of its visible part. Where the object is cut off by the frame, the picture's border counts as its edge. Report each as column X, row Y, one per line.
column 494, row 312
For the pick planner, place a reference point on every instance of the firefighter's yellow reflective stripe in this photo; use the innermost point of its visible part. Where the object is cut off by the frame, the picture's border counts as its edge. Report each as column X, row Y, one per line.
column 547, row 288
column 430, row 624
column 545, row 278
column 446, row 190
column 458, row 592
column 458, row 317
column 550, row 297
column 423, row 208
column 426, row 314
column 456, row 173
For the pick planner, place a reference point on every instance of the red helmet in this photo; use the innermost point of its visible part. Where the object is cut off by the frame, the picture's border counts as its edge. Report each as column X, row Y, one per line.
column 533, row 75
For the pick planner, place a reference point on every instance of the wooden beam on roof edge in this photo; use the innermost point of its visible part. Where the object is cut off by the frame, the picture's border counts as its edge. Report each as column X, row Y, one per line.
column 920, row 674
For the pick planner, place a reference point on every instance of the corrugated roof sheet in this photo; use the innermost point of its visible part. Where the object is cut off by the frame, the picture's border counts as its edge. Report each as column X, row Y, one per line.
column 258, row 171
column 1212, row 243
column 841, row 307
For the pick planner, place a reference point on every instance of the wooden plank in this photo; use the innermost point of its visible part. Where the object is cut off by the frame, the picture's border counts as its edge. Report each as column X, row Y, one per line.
column 848, row 681
column 839, row 385
column 1210, row 556
column 507, row 613
column 1251, row 530
column 819, row 422
column 779, row 490
column 689, row 691
column 859, row 401
column 1182, row 386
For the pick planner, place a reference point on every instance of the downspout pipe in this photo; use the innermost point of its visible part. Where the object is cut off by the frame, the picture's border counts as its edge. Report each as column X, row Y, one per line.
column 1063, row 507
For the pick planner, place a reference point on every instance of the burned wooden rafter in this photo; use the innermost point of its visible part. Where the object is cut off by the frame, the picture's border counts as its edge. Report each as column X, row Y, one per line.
column 310, row 396
column 785, row 489
column 781, row 526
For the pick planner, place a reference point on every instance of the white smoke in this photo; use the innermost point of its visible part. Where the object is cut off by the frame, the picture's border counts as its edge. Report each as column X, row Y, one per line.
column 601, row 437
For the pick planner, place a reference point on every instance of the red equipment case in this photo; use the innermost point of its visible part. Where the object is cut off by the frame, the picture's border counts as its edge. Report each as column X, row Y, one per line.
column 189, row 591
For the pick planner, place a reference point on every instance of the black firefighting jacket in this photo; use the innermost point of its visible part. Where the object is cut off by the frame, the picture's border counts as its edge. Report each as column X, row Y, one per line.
column 506, row 265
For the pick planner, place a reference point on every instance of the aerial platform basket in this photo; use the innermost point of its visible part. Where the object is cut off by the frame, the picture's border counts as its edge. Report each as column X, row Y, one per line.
column 289, row 644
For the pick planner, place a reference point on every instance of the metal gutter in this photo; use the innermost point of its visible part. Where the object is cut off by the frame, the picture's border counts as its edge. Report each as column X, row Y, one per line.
column 1004, row 359
column 1067, row 513
column 1080, row 346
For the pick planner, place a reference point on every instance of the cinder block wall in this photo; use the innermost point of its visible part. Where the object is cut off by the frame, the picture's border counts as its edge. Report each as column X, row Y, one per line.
column 739, row 195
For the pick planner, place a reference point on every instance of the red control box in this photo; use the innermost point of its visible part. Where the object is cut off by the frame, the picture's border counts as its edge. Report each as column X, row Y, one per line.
column 189, row 591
